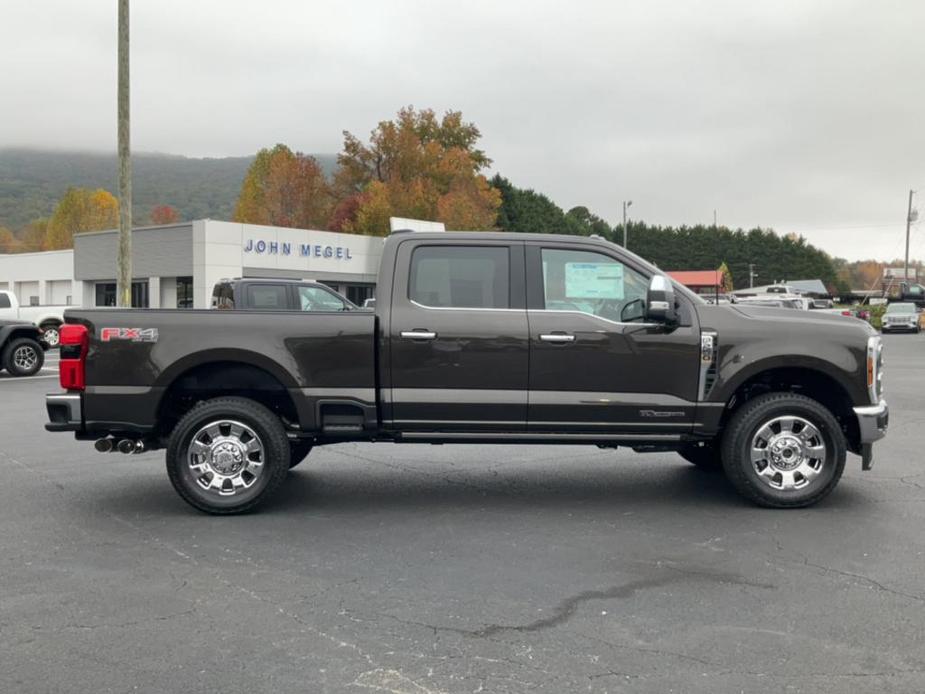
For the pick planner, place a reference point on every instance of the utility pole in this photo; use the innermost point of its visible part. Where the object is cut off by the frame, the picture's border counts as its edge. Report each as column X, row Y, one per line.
column 908, row 226
column 751, row 275
column 124, row 260
column 626, row 203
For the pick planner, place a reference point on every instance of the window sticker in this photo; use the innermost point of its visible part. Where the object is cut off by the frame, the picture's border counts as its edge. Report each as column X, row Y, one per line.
column 594, row 281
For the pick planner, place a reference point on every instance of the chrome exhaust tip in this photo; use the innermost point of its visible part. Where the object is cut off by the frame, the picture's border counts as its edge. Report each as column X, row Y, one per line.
column 103, row 445
column 126, row 446
column 139, row 446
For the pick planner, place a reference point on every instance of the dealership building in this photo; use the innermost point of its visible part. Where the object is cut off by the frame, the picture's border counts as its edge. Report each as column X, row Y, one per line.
column 177, row 265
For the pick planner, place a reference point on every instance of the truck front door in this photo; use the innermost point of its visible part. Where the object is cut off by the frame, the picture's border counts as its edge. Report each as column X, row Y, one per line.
column 458, row 337
column 596, row 366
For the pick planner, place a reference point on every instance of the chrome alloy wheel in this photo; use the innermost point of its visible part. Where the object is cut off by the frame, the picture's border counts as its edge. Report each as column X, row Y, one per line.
column 51, row 335
column 788, row 453
column 25, row 357
column 226, row 457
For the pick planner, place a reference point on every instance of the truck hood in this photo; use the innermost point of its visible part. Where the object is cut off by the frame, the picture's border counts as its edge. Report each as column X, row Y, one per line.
column 796, row 319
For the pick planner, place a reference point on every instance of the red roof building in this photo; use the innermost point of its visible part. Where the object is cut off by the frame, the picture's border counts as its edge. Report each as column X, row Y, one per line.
column 707, row 282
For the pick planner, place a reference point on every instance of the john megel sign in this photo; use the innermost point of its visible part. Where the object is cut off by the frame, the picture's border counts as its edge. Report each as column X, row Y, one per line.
column 306, row 250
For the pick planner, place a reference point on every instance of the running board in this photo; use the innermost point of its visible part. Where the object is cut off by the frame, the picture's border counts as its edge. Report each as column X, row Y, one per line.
column 532, row 437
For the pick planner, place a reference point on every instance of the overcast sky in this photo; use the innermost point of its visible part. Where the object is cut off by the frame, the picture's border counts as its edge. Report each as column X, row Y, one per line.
column 801, row 115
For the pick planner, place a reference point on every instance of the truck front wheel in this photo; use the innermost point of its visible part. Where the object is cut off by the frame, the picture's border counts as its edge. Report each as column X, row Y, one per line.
column 227, row 455
column 783, row 450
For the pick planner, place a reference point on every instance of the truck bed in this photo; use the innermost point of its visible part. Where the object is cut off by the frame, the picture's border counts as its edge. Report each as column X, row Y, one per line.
column 138, row 358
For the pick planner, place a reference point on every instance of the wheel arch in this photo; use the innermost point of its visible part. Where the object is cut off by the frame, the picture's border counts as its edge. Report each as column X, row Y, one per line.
column 192, row 381
column 818, row 384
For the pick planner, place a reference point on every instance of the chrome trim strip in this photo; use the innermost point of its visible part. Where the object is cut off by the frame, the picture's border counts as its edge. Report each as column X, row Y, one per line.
column 458, row 396
column 363, row 394
column 418, row 335
column 591, row 315
column 553, row 337
column 463, row 308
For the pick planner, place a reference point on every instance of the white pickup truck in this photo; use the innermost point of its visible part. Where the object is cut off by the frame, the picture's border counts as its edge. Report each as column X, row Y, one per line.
column 48, row 318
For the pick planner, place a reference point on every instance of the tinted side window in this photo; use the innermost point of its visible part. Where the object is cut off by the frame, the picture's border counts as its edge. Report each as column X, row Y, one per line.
column 267, row 297
column 318, row 299
column 5, row 301
column 460, row 276
column 592, row 283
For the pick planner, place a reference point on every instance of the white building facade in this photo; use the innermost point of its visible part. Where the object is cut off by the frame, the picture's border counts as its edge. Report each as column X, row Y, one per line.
column 177, row 265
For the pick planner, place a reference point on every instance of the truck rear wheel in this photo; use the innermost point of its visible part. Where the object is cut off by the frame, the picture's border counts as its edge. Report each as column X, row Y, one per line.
column 23, row 356
column 783, row 450
column 227, row 455
column 51, row 333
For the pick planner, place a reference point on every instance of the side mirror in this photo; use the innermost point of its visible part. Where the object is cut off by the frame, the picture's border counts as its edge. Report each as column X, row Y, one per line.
column 660, row 301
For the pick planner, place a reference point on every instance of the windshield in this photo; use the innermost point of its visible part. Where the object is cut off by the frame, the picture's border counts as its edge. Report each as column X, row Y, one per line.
column 900, row 308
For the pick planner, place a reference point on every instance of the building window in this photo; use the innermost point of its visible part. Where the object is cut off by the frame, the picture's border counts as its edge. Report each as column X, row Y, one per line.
column 67, row 300
column 33, row 301
column 184, row 292
column 106, row 294
column 358, row 293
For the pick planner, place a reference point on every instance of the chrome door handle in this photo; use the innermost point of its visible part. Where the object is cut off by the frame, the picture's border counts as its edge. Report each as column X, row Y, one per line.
column 418, row 335
column 557, row 337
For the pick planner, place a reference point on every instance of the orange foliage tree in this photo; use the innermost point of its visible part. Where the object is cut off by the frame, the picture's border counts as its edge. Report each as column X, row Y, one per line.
column 164, row 214
column 80, row 210
column 418, row 166
column 284, row 188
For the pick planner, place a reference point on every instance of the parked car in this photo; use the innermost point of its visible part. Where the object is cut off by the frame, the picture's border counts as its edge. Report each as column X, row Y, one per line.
column 783, row 302
column 902, row 317
column 278, row 295
column 48, row 318
column 22, row 348
column 481, row 338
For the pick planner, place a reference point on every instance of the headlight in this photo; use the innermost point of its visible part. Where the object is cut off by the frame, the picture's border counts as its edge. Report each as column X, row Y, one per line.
column 875, row 369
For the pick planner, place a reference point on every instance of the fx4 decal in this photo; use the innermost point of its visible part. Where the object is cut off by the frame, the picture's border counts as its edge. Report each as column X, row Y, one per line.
column 130, row 334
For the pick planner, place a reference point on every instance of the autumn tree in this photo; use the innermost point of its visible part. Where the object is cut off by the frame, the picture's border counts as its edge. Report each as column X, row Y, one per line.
column 418, row 166
column 164, row 214
column 284, row 188
column 78, row 211
column 32, row 236
column 8, row 241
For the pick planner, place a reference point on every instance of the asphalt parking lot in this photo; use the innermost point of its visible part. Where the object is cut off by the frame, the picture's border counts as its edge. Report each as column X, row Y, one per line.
column 424, row 569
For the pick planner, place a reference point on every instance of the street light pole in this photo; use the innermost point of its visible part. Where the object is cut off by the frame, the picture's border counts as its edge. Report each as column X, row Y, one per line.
column 124, row 260
column 626, row 203
column 908, row 226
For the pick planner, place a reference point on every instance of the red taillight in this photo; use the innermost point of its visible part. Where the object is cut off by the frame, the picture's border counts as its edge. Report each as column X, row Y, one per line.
column 74, row 341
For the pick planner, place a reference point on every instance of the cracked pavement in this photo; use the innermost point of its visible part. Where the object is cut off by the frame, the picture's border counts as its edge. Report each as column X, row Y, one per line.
column 438, row 569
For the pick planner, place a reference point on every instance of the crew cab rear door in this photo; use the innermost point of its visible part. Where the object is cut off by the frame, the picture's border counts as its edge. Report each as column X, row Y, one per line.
column 458, row 336
column 596, row 365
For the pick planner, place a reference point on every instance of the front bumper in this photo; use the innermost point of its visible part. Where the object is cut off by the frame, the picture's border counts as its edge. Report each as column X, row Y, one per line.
column 65, row 412
column 873, row 421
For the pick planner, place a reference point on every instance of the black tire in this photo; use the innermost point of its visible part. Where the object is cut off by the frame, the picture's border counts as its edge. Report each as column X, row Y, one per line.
column 51, row 334
column 23, row 356
column 705, row 456
column 746, row 424
column 270, row 434
column 298, row 451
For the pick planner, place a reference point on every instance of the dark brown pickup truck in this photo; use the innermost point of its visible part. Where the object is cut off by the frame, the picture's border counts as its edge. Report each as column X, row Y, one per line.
column 477, row 338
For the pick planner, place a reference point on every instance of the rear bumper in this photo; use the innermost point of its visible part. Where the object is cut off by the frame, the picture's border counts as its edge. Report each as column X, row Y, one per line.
column 873, row 421
column 65, row 412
